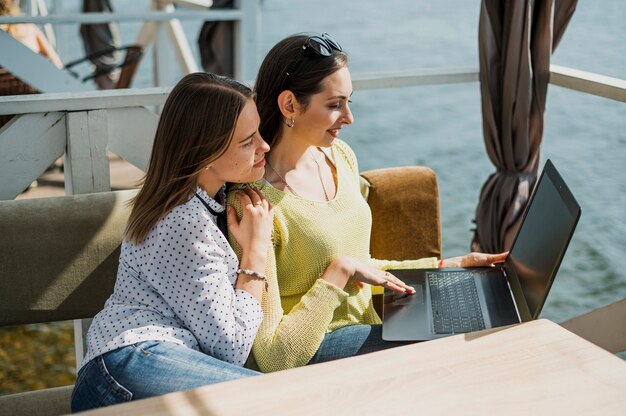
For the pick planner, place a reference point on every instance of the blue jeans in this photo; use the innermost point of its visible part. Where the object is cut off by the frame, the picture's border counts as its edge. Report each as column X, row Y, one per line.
column 352, row 340
column 146, row 369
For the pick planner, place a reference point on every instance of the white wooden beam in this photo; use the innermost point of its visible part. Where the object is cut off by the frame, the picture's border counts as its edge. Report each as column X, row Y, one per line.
column 181, row 46
column 86, row 159
column 33, row 68
column 217, row 15
column 147, row 34
column 195, row 4
column 163, row 58
column 28, row 145
column 88, row 100
column 588, row 82
column 414, row 78
column 83, row 101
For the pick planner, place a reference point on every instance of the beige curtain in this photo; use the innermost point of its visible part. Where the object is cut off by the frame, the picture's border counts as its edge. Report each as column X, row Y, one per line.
column 516, row 40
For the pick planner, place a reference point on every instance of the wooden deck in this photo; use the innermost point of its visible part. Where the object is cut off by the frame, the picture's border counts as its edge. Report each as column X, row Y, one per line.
column 123, row 176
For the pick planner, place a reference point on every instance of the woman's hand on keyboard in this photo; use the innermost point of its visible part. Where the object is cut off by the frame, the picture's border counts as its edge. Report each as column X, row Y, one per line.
column 345, row 268
column 475, row 260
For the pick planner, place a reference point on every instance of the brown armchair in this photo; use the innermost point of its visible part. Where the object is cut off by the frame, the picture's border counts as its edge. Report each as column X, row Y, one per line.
column 59, row 255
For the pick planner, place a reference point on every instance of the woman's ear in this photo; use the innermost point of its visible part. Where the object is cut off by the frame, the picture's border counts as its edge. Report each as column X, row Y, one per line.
column 288, row 104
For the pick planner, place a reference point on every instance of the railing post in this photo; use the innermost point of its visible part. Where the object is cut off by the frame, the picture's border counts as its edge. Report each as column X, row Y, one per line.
column 247, row 35
column 86, row 170
column 86, row 159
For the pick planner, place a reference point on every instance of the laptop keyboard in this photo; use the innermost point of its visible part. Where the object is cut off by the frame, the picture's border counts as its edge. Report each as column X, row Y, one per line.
column 455, row 303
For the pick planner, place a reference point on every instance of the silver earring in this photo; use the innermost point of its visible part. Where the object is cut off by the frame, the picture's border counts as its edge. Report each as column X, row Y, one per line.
column 293, row 122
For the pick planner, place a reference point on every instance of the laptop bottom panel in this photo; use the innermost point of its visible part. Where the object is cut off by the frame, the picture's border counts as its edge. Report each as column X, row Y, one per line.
column 440, row 310
column 407, row 317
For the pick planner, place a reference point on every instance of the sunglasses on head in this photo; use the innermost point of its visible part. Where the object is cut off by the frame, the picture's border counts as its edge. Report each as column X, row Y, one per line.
column 322, row 45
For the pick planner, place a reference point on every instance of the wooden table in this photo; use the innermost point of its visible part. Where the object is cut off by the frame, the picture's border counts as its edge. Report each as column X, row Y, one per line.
column 532, row 368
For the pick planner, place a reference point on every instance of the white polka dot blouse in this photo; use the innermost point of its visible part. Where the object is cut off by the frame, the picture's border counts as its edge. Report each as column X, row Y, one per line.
column 178, row 286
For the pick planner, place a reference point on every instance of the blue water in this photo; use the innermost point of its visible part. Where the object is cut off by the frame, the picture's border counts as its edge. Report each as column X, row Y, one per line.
column 440, row 126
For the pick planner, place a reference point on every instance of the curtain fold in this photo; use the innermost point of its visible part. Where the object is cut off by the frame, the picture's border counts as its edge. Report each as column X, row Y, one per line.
column 515, row 41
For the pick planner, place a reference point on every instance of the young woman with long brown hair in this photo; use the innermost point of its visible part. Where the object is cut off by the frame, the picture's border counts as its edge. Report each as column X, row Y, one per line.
column 184, row 312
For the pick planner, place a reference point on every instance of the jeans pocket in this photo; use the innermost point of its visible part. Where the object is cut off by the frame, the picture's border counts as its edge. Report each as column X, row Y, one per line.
column 95, row 387
column 112, row 389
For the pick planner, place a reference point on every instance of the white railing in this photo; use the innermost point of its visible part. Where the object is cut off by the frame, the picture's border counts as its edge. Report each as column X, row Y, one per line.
column 573, row 79
column 162, row 25
column 148, row 16
column 83, row 127
column 588, row 82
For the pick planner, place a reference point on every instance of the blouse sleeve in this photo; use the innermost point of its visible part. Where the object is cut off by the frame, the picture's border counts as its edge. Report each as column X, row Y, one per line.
column 189, row 270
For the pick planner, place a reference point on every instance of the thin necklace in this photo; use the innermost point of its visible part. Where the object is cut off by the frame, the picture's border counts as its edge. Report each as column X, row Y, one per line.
column 319, row 173
column 283, row 179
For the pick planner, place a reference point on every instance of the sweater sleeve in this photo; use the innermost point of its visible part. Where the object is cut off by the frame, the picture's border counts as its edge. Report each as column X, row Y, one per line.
column 290, row 340
column 425, row 263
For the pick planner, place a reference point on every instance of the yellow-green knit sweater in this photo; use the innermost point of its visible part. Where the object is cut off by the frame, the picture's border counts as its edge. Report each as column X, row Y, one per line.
column 300, row 308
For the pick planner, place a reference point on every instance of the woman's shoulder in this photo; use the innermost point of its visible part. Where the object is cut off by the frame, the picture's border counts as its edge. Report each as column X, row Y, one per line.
column 343, row 146
column 184, row 218
column 262, row 185
column 240, row 186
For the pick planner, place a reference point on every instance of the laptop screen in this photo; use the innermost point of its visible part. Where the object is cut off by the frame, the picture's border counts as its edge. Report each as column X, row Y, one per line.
column 540, row 244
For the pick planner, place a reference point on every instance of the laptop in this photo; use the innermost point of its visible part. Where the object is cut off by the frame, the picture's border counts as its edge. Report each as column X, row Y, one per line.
column 450, row 301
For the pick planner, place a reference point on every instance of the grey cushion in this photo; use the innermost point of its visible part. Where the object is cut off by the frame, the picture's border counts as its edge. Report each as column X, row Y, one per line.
column 59, row 260
column 48, row 402
column 59, row 255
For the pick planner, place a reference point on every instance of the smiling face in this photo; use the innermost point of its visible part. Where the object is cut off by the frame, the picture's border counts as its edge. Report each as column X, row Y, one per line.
column 327, row 111
column 244, row 159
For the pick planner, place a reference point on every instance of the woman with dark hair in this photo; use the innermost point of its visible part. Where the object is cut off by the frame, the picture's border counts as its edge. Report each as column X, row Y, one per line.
column 319, row 305
column 184, row 312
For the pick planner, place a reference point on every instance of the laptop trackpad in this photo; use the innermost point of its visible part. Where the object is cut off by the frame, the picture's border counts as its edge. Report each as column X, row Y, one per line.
column 402, row 314
column 399, row 299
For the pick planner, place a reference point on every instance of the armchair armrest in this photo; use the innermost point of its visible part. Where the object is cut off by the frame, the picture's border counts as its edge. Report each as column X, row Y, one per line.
column 405, row 212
